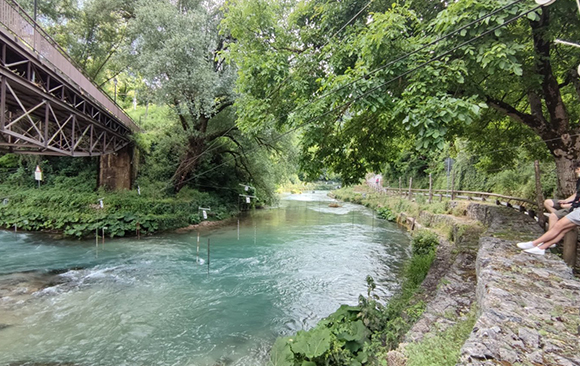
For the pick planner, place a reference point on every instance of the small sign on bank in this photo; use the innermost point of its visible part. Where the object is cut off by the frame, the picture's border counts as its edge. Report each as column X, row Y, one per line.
column 38, row 175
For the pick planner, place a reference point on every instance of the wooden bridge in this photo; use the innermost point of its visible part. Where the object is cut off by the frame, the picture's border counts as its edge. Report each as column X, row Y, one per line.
column 48, row 106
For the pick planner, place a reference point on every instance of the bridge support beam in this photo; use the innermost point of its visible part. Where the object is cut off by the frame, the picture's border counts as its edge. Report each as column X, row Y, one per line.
column 116, row 171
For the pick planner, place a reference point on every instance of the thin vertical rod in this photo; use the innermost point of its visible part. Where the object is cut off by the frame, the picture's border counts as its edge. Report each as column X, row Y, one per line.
column 103, row 236
column 238, row 229
column 208, row 256
column 2, row 103
column 197, row 247
column 430, row 188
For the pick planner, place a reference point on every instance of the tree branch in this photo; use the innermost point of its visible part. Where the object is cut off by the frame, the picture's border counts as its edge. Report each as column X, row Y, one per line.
column 510, row 111
column 222, row 133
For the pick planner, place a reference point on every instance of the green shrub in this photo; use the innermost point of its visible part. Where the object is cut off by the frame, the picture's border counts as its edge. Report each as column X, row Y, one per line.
column 386, row 213
column 424, row 242
column 79, row 215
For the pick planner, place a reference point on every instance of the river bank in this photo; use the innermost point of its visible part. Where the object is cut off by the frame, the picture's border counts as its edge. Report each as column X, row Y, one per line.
column 488, row 303
column 113, row 214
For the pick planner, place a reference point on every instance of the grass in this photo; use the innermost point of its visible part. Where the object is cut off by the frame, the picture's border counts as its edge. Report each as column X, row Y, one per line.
column 442, row 349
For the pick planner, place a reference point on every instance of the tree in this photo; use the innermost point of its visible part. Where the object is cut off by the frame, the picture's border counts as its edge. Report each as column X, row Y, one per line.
column 390, row 69
column 176, row 50
column 287, row 54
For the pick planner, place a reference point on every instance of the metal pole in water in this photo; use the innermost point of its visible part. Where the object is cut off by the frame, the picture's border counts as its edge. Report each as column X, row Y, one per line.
column 103, row 236
column 15, row 228
column 208, row 256
column 238, row 229
column 97, row 237
column 197, row 248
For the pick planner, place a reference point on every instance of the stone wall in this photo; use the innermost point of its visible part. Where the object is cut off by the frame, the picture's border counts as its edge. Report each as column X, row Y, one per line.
column 528, row 306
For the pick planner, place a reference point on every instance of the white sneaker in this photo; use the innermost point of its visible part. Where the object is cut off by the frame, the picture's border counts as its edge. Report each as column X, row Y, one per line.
column 526, row 245
column 535, row 250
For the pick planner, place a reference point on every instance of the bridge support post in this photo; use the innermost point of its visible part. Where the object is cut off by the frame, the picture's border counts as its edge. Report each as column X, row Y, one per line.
column 570, row 244
column 116, row 171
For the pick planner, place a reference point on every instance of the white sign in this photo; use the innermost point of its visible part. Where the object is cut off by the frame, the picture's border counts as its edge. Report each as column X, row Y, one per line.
column 38, row 173
column 246, row 188
column 204, row 215
column 247, row 199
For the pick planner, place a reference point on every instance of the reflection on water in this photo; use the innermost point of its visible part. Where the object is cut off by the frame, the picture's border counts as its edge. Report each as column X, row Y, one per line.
column 150, row 302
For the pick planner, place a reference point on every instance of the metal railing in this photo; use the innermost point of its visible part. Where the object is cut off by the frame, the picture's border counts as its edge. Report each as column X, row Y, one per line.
column 30, row 35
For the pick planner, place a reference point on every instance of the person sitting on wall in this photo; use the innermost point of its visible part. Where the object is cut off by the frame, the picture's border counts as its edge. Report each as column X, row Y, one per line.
column 561, row 221
column 558, row 209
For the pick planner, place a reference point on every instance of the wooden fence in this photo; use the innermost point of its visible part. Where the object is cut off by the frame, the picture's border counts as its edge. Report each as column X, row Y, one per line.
column 521, row 204
column 534, row 209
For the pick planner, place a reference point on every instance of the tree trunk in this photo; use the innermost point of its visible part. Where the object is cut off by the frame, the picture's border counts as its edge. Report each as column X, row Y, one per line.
column 565, row 175
column 189, row 162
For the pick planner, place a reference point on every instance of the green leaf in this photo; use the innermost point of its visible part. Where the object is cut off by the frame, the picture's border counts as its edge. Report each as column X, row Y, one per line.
column 355, row 331
column 313, row 343
column 533, row 16
column 308, row 363
column 281, row 353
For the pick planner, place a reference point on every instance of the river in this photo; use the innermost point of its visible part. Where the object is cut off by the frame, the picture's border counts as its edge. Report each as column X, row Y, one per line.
column 154, row 301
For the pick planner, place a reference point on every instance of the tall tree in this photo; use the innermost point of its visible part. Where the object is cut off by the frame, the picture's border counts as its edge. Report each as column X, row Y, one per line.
column 177, row 51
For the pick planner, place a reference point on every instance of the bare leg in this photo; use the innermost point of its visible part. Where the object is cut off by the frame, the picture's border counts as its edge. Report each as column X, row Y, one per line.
column 562, row 226
column 552, row 220
column 548, row 243
column 549, row 205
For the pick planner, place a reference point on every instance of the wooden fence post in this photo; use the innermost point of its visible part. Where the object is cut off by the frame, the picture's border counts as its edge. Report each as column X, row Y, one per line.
column 569, row 250
column 410, row 187
column 453, row 186
column 430, row 188
column 539, row 197
column 400, row 187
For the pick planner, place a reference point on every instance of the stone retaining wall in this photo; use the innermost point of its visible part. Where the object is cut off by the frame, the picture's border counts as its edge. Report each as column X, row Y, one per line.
column 528, row 306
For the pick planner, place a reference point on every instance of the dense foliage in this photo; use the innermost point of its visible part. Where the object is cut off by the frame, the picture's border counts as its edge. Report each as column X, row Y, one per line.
column 68, row 203
column 370, row 82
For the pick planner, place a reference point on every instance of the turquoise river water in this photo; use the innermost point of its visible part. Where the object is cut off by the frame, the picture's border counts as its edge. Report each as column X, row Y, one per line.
column 154, row 302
